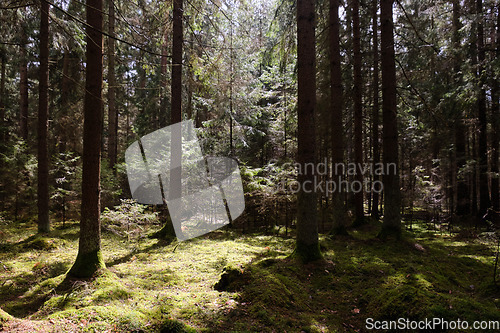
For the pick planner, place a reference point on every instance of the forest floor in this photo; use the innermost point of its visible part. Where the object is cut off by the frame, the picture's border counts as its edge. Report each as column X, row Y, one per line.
column 150, row 286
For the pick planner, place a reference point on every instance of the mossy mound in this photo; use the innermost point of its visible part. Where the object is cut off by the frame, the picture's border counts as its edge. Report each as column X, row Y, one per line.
column 405, row 301
column 174, row 326
column 232, row 279
column 4, row 317
column 41, row 243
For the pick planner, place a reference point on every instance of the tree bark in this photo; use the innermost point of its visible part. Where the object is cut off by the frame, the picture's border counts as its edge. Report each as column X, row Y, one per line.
column 89, row 259
column 484, row 197
column 112, row 111
column 175, row 189
column 2, row 99
column 495, row 123
column 358, row 114
column 336, row 104
column 392, row 196
column 375, row 112
column 43, row 110
column 463, row 197
column 163, row 118
column 307, row 244
column 23, row 83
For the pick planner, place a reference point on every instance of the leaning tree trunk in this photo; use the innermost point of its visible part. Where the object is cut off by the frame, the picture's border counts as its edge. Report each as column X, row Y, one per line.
column 358, row 114
column 392, row 195
column 43, row 110
column 336, row 104
column 307, row 244
column 89, row 259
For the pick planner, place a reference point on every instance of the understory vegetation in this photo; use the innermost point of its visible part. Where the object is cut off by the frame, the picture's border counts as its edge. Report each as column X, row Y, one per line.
column 153, row 286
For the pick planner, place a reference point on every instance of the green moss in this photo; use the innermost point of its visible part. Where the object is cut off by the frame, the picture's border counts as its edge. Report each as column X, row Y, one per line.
column 307, row 253
column 4, row 317
column 104, row 317
column 147, row 282
column 405, row 301
column 389, row 231
column 38, row 242
column 232, row 279
column 174, row 326
column 87, row 264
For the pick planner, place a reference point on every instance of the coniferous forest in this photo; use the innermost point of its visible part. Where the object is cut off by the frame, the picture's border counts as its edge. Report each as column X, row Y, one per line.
column 360, row 139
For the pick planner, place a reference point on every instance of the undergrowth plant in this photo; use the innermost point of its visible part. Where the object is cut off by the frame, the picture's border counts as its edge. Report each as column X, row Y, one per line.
column 128, row 219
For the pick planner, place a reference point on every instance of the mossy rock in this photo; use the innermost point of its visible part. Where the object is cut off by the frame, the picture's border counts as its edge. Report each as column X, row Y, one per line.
column 174, row 326
column 232, row 279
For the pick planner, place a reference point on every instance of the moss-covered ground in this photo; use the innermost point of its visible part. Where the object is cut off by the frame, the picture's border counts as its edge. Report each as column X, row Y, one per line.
column 151, row 286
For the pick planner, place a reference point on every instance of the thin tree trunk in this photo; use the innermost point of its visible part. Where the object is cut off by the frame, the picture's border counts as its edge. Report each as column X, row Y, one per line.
column 2, row 99
column 163, row 69
column 475, row 175
column 392, row 196
column 376, row 112
column 463, row 197
column 112, row 111
column 89, row 259
column 43, row 110
column 358, row 114
column 231, row 148
column 495, row 123
column 23, row 103
column 336, row 104
column 307, row 244
column 484, row 197
column 176, row 115
column 175, row 189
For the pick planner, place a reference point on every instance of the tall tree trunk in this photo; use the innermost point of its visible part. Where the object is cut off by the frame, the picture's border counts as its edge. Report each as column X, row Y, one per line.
column 484, row 197
column 392, row 195
column 163, row 69
column 112, row 111
column 43, row 110
column 231, row 81
column 463, row 202
column 495, row 123
column 307, row 244
column 89, row 259
column 358, row 114
column 23, row 85
column 175, row 189
column 336, row 104
column 176, row 115
column 375, row 112
column 2, row 99
column 177, row 41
